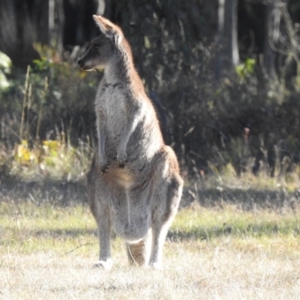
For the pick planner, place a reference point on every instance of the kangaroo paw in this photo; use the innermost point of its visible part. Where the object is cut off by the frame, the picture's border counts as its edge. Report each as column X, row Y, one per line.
column 102, row 264
column 104, row 168
column 123, row 163
column 122, row 158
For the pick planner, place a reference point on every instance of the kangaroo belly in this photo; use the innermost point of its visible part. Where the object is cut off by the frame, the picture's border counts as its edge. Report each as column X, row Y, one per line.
column 131, row 232
column 130, row 225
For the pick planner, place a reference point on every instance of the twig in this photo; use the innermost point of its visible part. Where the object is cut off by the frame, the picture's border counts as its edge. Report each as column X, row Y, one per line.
column 25, row 100
column 45, row 91
column 14, row 132
column 87, row 244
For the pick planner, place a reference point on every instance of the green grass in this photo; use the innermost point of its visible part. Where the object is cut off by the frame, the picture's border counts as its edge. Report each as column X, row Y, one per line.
column 47, row 252
column 28, row 227
column 274, row 232
column 209, row 224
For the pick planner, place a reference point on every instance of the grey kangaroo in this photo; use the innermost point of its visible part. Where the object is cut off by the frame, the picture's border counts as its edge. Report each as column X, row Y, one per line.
column 134, row 184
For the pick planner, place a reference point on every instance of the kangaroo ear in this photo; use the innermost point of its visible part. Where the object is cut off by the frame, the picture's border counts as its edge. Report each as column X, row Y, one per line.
column 110, row 30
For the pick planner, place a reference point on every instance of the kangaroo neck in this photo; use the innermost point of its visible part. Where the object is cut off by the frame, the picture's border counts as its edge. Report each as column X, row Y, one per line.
column 119, row 69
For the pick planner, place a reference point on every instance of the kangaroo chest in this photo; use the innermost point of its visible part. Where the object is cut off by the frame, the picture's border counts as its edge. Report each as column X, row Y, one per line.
column 112, row 102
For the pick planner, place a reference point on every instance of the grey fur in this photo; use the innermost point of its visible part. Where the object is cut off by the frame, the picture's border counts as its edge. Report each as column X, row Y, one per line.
column 134, row 184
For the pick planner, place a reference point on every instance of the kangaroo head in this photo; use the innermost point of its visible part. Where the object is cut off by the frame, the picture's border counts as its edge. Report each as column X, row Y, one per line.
column 102, row 48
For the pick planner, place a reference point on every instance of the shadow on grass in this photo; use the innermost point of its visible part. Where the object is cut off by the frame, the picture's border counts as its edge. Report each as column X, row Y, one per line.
column 54, row 192
column 65, row 193
column 251, row 230
column 194, row 234
column 249, row 199
column 61, row 233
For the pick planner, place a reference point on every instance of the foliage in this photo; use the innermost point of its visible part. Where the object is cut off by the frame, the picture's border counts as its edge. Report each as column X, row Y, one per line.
column 49, row 102
column 246, row 68
column 245, row 123
column 54, row 160
column 42, row 120
column 236, row 123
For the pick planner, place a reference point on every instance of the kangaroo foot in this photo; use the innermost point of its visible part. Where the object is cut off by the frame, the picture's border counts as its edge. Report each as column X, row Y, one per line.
column 102, row 264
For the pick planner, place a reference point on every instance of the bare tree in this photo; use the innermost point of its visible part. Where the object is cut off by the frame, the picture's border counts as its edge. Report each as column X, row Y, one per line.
column 228, row 54
column 104, row 8
column 230, row 33
column 57, row 23
column 272, row 34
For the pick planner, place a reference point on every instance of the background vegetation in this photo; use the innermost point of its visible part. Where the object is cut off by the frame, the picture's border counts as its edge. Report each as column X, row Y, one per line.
column 222, row 74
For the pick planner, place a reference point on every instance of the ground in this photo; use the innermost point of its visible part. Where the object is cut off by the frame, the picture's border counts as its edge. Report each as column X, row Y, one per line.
column 221, row 251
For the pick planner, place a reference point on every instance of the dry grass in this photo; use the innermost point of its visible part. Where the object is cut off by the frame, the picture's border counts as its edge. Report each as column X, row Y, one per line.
column 208, row 273
column 47, row 252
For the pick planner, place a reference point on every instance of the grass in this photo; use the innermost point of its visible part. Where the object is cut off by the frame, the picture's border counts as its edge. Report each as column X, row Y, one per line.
column 47, row 252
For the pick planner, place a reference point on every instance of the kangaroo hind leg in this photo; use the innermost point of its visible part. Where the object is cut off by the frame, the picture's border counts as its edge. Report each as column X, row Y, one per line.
column 165, row 205
column 139, row 253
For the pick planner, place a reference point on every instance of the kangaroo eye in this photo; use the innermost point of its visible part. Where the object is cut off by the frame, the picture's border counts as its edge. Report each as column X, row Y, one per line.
column 96, row 46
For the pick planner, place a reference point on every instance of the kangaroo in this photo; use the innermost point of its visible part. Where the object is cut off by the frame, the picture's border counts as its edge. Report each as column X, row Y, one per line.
column 134, row 186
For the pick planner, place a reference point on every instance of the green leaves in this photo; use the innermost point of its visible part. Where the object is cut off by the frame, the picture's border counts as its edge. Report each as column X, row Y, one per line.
column 52, row 159
column 247, row 68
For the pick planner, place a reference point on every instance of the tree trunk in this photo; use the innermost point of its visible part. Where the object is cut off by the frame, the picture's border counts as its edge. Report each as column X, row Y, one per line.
column 272, row 33
column 40, row 19
column 230, row 35
column 210, row 15
column 228, row 54
column 104, row 8
column 8, row 29
column 220, row 38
